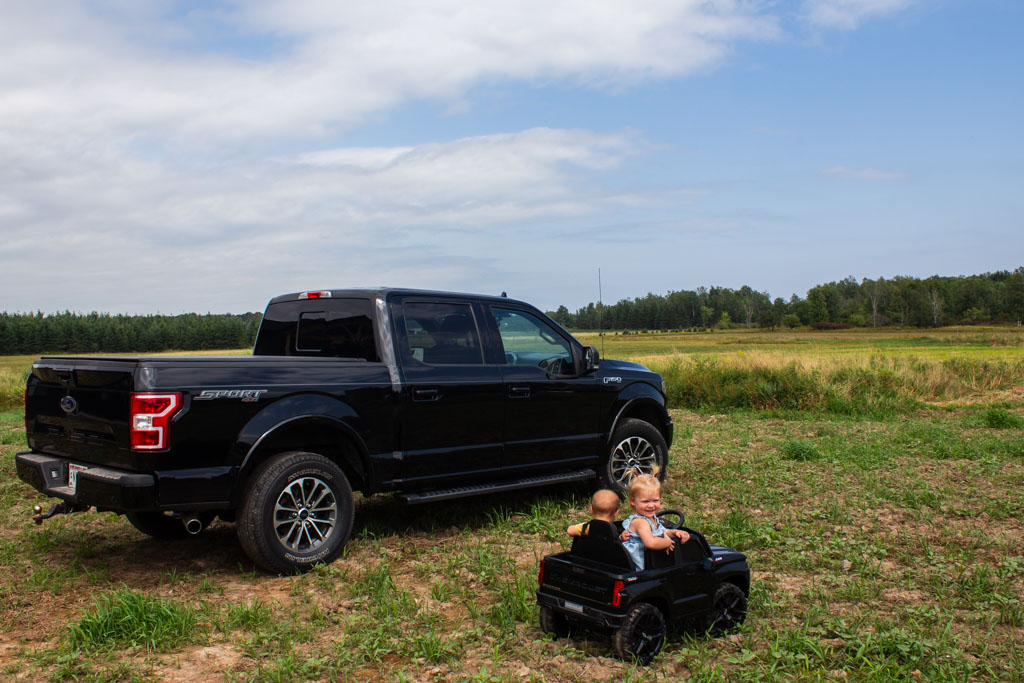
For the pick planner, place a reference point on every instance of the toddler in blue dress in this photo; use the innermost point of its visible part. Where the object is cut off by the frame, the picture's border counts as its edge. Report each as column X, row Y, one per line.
column 643, row 529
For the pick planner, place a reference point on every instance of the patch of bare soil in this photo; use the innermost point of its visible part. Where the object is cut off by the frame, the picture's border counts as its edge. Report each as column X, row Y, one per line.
column 198, row 664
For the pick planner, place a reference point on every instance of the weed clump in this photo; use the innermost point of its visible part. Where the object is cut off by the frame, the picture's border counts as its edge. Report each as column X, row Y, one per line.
column 1000, row 418
column 799, row 449
column 125, row 617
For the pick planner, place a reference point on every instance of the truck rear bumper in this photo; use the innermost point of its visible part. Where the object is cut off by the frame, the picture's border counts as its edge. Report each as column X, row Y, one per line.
column 102, row 487
column 597, row 618
column 108, row 488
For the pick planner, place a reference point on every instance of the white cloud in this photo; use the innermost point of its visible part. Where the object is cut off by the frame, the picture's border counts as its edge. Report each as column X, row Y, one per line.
column 267, row 225
column 849, row 14
column 129, row 72
column 847, row 173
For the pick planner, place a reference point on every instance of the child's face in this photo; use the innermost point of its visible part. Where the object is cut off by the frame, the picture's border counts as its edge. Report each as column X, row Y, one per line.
column 646, row 503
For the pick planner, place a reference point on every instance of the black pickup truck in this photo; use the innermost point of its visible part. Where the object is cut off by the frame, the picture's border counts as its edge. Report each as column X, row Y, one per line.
column 431, row 395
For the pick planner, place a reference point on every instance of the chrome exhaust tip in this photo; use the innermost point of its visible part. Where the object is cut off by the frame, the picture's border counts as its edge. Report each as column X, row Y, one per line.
column 193, row 525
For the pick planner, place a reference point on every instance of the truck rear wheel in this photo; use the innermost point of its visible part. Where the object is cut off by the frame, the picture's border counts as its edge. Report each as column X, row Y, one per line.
column 296, row 513
column 553, row 623
column 642, row 634
column 636, row 448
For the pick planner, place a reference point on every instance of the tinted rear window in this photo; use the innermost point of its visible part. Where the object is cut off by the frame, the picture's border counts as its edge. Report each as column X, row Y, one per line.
column 322, row 327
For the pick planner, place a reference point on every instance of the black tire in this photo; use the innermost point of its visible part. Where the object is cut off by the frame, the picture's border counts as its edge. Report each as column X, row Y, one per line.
column 554, row 623
column 636, row 447
column 728, row 609
column 642, row 634
column 163, row 525
column 296, row 513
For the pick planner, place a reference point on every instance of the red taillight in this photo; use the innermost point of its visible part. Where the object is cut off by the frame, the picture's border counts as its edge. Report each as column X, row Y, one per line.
column 540, row 574
column 617, row 593
column 150, row 415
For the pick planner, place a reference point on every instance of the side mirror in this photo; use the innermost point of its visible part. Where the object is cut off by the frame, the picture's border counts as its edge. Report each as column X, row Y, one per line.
column 591, row 359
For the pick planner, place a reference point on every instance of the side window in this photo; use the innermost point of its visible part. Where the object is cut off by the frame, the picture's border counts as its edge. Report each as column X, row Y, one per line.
column 336, row 328
column 442, row 333
column 528, row 340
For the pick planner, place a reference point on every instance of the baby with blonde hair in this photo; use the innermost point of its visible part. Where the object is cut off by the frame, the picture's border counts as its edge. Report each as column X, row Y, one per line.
column 643, row 526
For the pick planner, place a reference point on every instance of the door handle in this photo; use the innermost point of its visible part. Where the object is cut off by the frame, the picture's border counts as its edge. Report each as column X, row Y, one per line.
column 519, row 392
column 426, row 394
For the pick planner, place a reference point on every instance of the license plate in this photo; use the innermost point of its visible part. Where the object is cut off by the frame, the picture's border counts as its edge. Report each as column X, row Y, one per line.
column 73, row 471
column 573, row 607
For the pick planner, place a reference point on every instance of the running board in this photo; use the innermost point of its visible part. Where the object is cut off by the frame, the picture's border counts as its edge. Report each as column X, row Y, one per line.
column 478, row 489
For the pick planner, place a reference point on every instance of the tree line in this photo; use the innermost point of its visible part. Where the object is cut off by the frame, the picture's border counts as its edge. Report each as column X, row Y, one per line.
column 34, row 333
column 897, row 302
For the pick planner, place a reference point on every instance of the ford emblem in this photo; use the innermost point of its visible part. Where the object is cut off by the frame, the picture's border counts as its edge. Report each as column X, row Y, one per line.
column 68, row 404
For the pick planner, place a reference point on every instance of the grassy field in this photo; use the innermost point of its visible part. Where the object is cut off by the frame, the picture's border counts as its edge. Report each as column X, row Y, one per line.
column 886, row 538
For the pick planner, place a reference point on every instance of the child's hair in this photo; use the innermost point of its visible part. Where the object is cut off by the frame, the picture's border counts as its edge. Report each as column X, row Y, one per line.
column 643, row 482
column 605, row 502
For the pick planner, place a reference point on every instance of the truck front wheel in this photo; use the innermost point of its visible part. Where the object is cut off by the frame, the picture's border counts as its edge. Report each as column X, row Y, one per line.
column 296, row 512
column 636, row 448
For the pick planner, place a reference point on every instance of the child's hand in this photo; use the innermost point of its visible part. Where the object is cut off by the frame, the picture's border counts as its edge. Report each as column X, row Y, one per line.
column 681, row 535
column 624, row 536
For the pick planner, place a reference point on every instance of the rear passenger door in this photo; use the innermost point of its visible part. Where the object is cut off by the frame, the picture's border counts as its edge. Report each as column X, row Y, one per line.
column 452, row 401
column 552, row 415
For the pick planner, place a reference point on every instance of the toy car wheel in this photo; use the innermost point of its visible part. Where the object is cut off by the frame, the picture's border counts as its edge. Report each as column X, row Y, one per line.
column 636, row 448
column 728, row 609
column 554, row 623
column 642, row 634
column 296, row 512
column 163, row 525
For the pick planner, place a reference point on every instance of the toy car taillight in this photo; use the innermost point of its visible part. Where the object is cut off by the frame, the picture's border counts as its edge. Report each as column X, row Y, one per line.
column 617, row 593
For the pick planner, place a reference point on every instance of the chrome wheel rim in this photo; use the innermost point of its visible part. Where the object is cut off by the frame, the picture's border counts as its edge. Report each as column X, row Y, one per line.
column 305, row 514
column 632, row 457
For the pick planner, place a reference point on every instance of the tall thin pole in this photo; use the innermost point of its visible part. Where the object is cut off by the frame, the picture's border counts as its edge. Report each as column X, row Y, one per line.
column 600, row 311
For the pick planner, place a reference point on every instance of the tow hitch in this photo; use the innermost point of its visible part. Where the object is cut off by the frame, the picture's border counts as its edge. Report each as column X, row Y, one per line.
column 56, row 509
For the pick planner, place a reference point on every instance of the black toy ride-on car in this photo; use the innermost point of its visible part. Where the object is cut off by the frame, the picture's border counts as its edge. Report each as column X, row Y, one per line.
column 595, row 586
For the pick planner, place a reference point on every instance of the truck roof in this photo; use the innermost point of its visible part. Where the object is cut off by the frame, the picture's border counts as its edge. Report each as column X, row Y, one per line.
column 388, row 292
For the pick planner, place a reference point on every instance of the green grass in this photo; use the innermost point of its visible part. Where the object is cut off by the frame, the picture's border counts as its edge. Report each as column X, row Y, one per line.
column 876, row 484
column 126, row 618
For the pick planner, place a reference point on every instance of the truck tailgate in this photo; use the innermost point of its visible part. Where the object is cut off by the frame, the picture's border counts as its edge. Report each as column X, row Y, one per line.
column 584, row 582
column 78, row 408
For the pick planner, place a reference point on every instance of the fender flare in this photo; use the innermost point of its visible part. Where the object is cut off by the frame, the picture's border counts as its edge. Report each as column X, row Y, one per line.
column 315, row 410
column 652, row 402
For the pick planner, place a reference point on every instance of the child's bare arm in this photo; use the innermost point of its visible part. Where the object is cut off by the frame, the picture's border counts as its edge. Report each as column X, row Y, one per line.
column 575, row 530
column 643, row 529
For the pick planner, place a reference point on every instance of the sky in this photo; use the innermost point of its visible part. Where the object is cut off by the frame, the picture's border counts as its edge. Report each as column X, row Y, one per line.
column 171, row 157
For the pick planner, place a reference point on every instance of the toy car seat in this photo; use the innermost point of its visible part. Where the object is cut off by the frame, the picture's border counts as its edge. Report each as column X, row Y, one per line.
column 601, row 543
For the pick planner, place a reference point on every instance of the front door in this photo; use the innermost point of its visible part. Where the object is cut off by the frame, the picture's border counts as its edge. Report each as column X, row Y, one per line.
column 552, row 416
